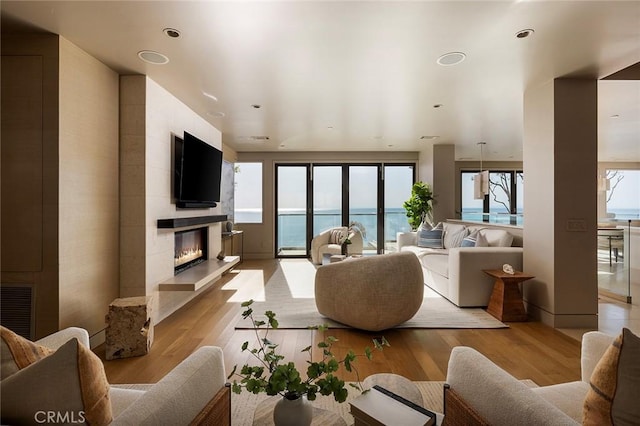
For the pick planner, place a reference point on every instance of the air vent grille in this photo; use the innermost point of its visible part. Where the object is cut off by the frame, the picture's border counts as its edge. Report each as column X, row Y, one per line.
column 17, row 309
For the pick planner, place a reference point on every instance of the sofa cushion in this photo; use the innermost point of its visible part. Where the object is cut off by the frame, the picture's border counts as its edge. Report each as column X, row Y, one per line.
column 454, row 234
column 18, row 352
column 431, row 237
column 421, row 251
column 568, row 397
column 70, row 382
column 436, row 262
column 475, row 239
column 615, row 383
column 497, row 237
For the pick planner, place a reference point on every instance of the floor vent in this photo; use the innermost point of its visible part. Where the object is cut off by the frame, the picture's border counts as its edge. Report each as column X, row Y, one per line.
column 17, row 309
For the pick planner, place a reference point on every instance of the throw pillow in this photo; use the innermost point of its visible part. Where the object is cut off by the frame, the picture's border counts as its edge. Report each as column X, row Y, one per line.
column 335, row 236
column 70, row 383
column 481, row 240
column 453, row 235
column 18, row 352
column 470, row 240
column 615, row 383
column 431, row 238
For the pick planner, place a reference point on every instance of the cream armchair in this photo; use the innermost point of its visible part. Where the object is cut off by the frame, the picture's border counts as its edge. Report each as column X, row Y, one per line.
column 478, row 392
column 320, row 244
column 194, row 392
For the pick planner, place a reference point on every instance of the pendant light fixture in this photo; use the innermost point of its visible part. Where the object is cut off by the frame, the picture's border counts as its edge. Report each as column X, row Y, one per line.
column 481, row 180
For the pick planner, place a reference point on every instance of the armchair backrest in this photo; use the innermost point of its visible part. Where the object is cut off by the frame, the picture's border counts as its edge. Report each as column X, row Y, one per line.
column 594, row 345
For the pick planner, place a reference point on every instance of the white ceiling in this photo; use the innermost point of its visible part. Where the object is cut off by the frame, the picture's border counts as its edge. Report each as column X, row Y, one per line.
column 363, row 75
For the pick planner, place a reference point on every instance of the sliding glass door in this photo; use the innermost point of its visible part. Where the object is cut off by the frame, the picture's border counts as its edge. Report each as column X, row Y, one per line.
column 364, row 204
column 327, row 197
column 398, row 180
column 313, row 198
column 292, row 199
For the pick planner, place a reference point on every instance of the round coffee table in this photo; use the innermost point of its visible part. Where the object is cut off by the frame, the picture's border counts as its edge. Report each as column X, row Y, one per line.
column 396, row 384
column 263, row 415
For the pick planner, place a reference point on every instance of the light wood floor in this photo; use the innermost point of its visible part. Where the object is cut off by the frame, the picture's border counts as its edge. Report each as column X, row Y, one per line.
column 528, row 350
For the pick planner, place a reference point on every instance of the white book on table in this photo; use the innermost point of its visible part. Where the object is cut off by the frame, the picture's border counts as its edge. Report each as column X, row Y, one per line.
column 381, row 407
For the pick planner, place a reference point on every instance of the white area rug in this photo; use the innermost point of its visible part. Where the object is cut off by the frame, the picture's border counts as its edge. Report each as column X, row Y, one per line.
column 244, row 404
column 290, row 294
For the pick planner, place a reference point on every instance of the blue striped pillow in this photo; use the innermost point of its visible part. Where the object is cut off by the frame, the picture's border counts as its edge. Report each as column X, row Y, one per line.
column 431, row 238
column 470, row 240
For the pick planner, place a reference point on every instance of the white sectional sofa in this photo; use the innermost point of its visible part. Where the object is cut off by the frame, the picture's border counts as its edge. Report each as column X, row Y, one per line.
column 456, row 272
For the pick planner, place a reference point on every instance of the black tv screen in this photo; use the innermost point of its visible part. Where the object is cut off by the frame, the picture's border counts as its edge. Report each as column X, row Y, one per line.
column 198, row 171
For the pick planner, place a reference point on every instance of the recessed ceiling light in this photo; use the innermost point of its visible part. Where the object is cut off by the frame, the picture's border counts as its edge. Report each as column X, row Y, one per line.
column 438, row 105
column 216, row 114
column 329, row 127
column 451, row 58
column 390, row 145
column 282, row 145
column 259, row 138
column 210, row 96
column 153, row 57
column 256, row 106
column 524, row 33
column 171, row 32
column 615, row 116
column 430, row 137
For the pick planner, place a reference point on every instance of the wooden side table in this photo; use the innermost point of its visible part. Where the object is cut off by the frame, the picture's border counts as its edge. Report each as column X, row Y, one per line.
column 506, row 299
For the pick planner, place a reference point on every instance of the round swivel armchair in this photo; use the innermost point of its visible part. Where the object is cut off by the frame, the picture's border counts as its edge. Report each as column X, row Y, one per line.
column 371, row 293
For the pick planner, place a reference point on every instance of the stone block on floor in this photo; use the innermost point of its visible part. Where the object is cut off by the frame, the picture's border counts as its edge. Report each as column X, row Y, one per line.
column 129, row 328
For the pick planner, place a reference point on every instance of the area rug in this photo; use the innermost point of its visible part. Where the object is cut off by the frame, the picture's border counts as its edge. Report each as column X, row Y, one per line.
column 244, row 404
column 290, row 294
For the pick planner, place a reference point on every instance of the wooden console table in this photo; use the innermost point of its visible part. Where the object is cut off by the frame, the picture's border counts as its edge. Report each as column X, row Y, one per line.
column 506, row 299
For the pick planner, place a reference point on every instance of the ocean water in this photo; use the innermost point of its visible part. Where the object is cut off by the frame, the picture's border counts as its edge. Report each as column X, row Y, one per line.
column 292, row 224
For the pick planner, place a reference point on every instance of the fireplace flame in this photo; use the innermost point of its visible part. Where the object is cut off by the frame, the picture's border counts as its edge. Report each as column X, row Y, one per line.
column 187, row 255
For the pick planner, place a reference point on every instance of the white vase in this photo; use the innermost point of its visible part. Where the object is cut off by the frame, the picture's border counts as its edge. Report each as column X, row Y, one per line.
column 293, row 412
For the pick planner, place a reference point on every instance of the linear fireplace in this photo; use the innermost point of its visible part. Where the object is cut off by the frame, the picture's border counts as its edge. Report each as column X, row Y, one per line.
column 190, row 248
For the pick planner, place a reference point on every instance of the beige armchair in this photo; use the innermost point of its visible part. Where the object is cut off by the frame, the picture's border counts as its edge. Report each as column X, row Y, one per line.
column 321, row 245
column 478, row 392
column 371, row 293
column 194, row 392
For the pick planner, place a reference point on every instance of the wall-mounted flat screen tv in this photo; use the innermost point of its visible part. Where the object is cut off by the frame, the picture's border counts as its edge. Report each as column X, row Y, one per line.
column 198, row 171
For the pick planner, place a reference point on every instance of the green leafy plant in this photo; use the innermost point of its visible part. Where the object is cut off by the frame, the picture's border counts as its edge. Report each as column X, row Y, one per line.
column 419, row 205
column 274, row 376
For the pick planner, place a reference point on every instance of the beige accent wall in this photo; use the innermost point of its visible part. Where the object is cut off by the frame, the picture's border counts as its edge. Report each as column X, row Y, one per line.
column 259, row 238
column 560, row 165
column 149, row 117
column 30, row 171
column 88, row 192
column 59, row 180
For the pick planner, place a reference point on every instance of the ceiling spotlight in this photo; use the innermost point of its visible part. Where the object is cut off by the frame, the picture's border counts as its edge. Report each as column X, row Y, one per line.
column 451, row 58
column 171, row 32
column 615, row 116
column 438, row 105
column 430, row 137
column 524, row 33
column 152, row 57
column 256, row 106
column 216, row 114
column 329, row 127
